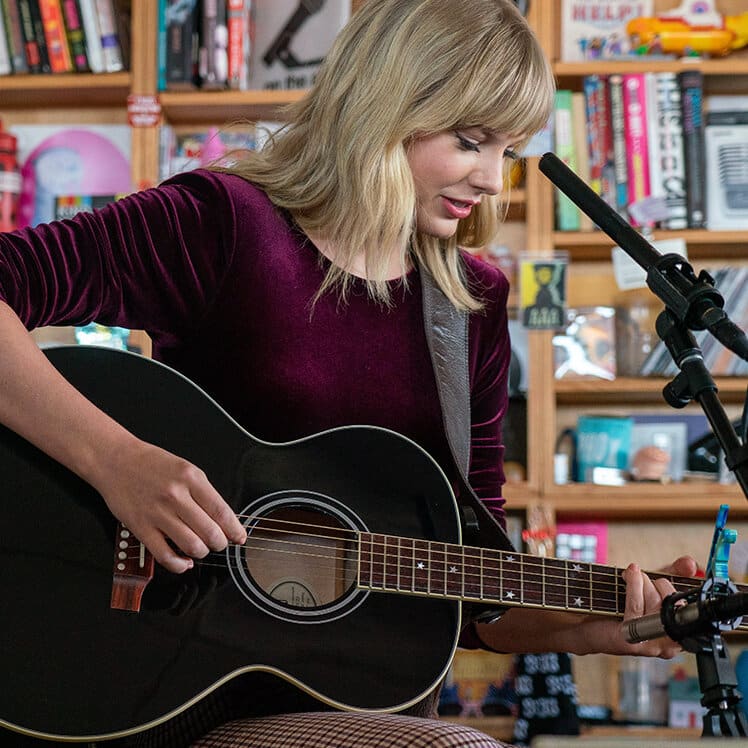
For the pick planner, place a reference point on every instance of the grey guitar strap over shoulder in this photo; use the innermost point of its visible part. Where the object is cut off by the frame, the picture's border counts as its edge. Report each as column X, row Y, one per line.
column 447, row 336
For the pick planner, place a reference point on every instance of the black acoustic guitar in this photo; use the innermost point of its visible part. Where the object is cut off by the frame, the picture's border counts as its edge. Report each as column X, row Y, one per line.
column 349, row 586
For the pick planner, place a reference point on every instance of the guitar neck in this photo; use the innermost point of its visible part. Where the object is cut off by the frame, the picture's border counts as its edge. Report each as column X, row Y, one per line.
column 390, row 563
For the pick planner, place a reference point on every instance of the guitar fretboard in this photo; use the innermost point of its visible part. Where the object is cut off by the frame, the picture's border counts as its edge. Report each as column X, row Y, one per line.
column 390, row 563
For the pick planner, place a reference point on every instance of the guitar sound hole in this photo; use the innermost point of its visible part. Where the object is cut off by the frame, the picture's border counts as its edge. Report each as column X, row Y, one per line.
column 300, row 562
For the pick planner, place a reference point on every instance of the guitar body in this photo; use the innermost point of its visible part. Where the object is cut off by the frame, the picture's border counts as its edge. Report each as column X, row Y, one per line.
column 74, row 667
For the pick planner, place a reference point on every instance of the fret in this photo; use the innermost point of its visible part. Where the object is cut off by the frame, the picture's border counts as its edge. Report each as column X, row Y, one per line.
column 483, row 575
column 472, row 573
column 407, row 578
column 604, row 583
column 390, row 570
column 578, row 586
column 399, row 561
column 555, row 583
column 428, row 570
column 384, row 562
column 364, row 559
column 511, row 578
column 454, row 574
column 531, row 580
column 376, row 579
column 439, row 568
column 421, row 558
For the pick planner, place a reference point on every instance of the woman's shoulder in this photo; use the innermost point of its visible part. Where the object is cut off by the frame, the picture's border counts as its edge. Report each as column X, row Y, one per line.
column 226, row 184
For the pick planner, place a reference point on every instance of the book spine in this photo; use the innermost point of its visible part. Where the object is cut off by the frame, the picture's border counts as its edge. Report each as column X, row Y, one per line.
column 656, row 188
column 76, row 35
column 161, row 51
column 567, row 214
column 239, row 44
column 110, row 45
column 581, row 149
column 635, row 128
column 92, row 33
column 181, row 46
column 16, row 49
column 54, row 34
column 672, row 165
column 592, row 86
column 618, row 137
column 38, row 31
column 213, row 57
column 30, row 46
column 692, row 93
column 5, row 65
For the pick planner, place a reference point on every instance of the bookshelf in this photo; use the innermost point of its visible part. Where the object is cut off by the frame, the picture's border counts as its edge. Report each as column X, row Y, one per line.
column 103, row 98
column 553, row 403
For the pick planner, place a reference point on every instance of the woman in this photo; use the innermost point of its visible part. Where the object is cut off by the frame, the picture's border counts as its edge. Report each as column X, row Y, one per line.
column 289, row 288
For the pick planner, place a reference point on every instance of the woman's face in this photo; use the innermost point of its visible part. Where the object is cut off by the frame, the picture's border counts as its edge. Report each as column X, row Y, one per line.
column 452, row 170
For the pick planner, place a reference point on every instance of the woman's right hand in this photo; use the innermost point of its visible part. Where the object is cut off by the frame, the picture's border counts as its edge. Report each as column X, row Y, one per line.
column 160, row 498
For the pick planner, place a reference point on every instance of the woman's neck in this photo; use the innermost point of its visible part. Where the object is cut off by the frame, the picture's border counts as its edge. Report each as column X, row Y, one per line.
column 357, row 265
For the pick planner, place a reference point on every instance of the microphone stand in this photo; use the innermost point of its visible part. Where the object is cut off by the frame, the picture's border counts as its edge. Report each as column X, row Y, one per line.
column 691, row 303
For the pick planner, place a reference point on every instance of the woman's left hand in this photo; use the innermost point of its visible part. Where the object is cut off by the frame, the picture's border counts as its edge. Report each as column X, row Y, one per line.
column 644, row 597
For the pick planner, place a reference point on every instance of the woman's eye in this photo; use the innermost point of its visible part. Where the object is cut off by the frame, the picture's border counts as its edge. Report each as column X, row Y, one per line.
column 467, row 144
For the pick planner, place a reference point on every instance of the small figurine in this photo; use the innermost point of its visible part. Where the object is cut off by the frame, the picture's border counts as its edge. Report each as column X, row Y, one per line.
column 695, row 27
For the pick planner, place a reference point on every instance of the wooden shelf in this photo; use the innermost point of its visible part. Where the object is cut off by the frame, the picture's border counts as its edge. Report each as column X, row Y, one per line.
column 634, row 390
column 735, row 64
column 219, row 107
column 68, row 90
column 596, row 245
column 636, row 501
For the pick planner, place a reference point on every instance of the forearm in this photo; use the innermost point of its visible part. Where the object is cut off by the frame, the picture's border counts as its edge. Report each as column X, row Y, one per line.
column 522, row 630
column 40, row 405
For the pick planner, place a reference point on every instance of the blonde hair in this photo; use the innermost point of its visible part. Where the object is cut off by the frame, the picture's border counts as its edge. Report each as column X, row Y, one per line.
column 398, row 70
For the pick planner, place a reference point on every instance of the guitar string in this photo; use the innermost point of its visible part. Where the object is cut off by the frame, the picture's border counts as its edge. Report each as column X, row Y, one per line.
column 528, row 562
column 530, row 575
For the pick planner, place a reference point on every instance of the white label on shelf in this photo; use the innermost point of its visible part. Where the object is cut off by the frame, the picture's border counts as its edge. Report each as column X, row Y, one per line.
column 629, row 274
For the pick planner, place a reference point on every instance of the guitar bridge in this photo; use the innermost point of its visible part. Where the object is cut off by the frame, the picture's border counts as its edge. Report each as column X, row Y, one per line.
column 133, row 569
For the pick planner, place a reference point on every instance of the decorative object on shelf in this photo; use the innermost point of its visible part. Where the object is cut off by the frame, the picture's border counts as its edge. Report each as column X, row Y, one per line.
column 69, row 160
column 582, row 541
column 594, row 29
column 694, row 28
column 587, row 346
column 543, row 291
column 291, row 39
column 658, row 449
column 602, row 442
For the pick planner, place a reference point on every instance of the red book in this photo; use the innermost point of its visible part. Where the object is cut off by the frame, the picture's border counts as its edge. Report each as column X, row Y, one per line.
column 55, row 36
column 239, row 40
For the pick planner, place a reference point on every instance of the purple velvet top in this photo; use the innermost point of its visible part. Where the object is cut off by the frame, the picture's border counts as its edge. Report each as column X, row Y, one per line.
column 222, row 281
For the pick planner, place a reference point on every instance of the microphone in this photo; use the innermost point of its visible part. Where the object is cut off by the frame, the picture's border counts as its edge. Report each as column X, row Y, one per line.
column 686, row 619
column 670, row 277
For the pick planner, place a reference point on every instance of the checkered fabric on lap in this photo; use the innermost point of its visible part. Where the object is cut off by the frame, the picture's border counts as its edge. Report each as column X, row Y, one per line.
column 344, row 730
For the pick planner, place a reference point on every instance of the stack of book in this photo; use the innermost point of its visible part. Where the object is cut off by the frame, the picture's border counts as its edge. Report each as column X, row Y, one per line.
column 70, row 36
column 638, row 140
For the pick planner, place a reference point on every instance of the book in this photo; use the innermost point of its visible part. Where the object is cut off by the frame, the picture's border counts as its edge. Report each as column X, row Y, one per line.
column 213, row 51
column 92, row 35
column 12, row 20
column 618, row 137
column 727, row 176
column 111, row 48
column 66, row 206
column 239, row 43
column 671, row 164
column 69, row 159
column 594, row 29
column 567, row 214
column 55, row 36
column 292, row 39
column 692, row 93
column 76, row 36
column 6, row 68
column 33, row 36
column 593, row 86
column 635, row 129
column 182, row 24
column 581, row 149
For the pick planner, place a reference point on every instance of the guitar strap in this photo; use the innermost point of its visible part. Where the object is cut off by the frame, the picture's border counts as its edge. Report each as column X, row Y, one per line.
column 447, row 336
